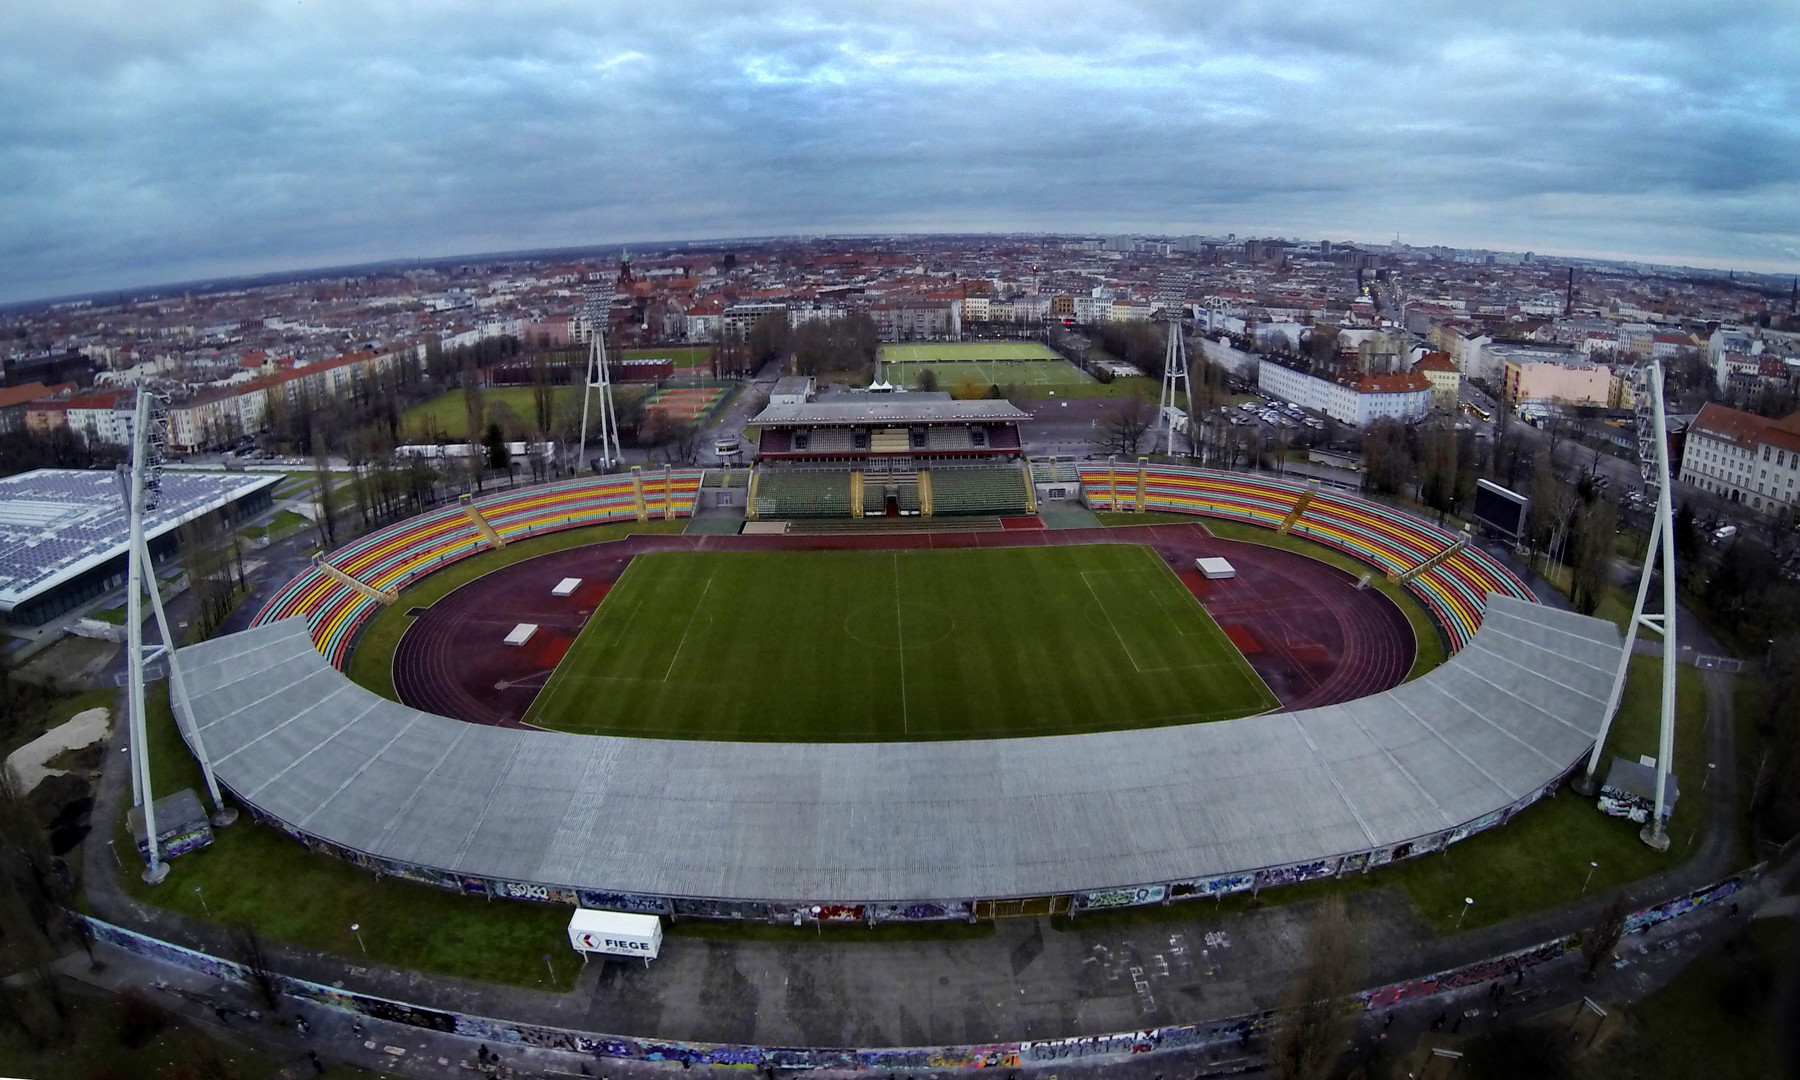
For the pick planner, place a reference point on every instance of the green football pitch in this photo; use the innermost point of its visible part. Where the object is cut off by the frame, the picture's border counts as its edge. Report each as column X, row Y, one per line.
column 848, row 646
column 951, row 374
column 968, row 350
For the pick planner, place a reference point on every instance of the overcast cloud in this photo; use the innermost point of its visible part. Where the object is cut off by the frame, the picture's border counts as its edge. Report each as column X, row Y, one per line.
column 144, row 143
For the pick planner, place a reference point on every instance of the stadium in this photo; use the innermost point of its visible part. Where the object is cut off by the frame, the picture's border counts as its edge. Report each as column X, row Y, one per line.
column 896, row 695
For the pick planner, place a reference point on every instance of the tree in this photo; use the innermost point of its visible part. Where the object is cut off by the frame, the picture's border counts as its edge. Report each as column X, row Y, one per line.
column 768, row 337
column 1689, row 544
column 1591, row 562
column 1387, row 459
column 259, row 966
column 1123, row 427
column 1311, row 1032
column 543, row 397
column 493, row 445
column 927, row 380
column 1599, row 940
column 324, row 499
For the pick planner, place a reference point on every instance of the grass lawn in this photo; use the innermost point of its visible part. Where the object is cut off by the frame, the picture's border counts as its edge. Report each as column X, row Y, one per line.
column 1138, row 386
column 1717, row 1020
column 445, row 413
column 856, row 645
column 1026, row 373
column 372, row 661
column 290, row 488
column 968, row 350
column 1540, row 858
column 95, row 1047
column 255, row 876
column 284, row 522
column 1430, row 645
column 113, row 615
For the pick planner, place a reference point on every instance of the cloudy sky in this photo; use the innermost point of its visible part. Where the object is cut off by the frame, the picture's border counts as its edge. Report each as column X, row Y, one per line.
column 153, row 142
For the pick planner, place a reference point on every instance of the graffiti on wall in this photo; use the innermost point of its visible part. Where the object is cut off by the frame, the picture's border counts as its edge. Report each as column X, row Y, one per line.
column 1112, row 898
column 1214, row 886
column 1639, row 921
column 646, row 905
column 1288, row 875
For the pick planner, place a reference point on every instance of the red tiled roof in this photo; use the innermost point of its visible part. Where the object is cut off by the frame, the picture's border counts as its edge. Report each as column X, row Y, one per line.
column 1391, row 384
column 17, row 395
column 1435, row 361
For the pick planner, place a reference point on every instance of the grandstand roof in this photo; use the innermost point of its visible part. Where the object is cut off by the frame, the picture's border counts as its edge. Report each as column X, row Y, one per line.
column 56, row 524
column 1491, row 728
column 913, row 408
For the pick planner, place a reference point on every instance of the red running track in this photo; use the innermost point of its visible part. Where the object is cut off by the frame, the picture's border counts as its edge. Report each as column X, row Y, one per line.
column 1302, row 624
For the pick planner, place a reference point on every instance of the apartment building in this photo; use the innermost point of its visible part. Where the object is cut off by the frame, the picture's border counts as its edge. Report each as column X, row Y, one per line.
column 1743, row 457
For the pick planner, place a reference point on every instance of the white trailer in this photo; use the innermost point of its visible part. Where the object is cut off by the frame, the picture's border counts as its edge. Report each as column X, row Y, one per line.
column 615, row 933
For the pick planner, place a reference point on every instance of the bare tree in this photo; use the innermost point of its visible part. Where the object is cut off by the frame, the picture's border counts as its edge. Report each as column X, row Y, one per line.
column 1599, row 940
column 253, row 953
column 1312, row 1031
column 1125, row 425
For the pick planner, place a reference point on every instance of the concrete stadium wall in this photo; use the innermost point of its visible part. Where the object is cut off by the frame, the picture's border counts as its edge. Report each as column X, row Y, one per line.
column 1229, row 1033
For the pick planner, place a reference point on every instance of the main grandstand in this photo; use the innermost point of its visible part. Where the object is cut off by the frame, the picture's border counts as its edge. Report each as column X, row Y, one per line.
column 906, row 830
column 892, row 455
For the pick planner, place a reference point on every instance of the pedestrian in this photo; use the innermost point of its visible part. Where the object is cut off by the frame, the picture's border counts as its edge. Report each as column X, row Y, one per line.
column 302, row 1026
column 1442, row 1019
column 481, row 1053
column 318, row 1066
column 1456, row 1027
column 1389, row 1023
column 219, row 1010
column 1518, row 977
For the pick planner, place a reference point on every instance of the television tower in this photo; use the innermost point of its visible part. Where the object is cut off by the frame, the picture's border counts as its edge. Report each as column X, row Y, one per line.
column 143, row 489
column 1653, row 460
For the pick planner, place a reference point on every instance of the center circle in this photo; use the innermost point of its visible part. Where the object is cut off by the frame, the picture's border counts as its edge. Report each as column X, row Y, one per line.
column 876, row 626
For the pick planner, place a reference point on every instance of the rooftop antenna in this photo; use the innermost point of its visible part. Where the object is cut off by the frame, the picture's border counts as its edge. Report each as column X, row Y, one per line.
column 143, row 491
column 1653, row 460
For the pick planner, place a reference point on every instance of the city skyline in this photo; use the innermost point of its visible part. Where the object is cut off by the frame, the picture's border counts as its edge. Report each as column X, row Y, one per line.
column 155, row 148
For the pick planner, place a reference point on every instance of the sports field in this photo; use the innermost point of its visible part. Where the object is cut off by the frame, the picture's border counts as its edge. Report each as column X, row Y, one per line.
column 897, row 645
column 1001, row 373
column 967, row 350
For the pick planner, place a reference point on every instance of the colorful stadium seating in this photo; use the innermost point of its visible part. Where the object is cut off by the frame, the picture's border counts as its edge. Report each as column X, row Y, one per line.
column 397, row 556
column 1455, row 592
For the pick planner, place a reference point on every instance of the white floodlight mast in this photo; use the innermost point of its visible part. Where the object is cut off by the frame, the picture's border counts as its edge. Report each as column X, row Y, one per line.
column 1653, row 455
column 1175, row 369
column 140, row 493
column 599, row 378
column 142, row 794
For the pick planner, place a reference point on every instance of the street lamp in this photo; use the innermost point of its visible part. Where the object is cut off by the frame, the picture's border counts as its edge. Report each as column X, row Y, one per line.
column 1468, row 902
column 202, row 897
column 818, row 922
column 1592, row 866
column 1705, row 777
column 356, row 928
